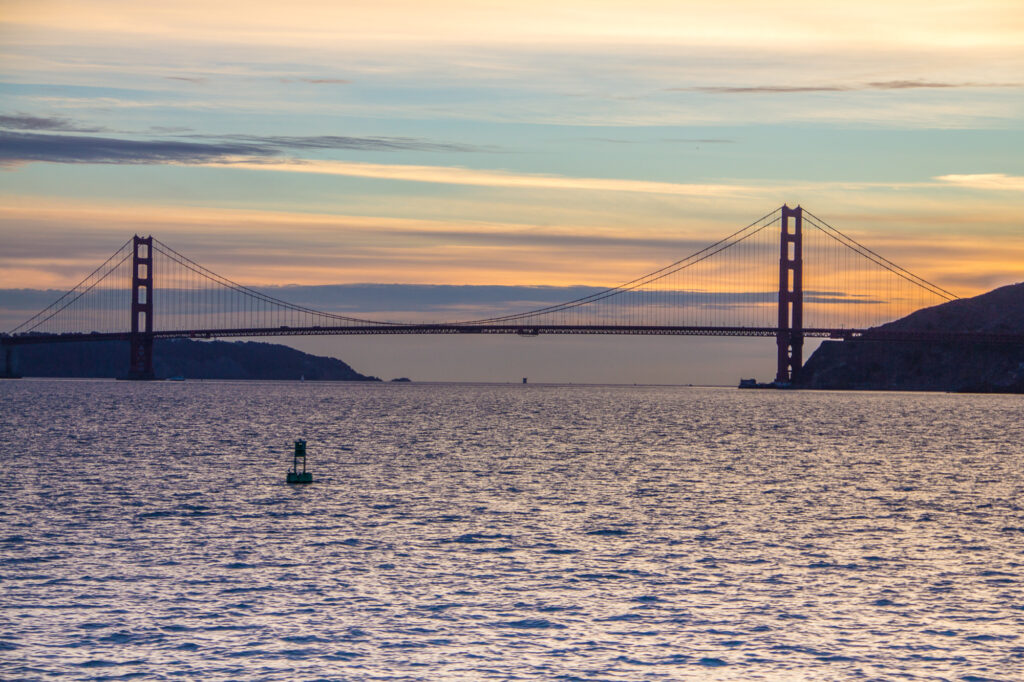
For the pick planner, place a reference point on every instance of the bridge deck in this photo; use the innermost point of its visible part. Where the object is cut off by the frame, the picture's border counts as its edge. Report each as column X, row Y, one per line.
column 523, row 330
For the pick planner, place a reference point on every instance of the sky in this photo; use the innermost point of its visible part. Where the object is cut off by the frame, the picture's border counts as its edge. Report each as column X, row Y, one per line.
column 501, row 144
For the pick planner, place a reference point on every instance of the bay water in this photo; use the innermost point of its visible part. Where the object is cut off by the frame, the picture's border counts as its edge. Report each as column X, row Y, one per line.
column 508, row 532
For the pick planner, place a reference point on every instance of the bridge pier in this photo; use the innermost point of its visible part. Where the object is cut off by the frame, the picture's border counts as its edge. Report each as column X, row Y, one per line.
column 140, row 365
column 9, row 368
column 141, row 358
column 790, row 334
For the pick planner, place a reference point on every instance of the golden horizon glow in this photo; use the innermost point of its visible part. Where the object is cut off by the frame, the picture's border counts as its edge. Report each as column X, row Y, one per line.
column 262, row 247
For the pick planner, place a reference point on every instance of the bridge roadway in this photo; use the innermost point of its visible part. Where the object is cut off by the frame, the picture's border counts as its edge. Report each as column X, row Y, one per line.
column 523, row 330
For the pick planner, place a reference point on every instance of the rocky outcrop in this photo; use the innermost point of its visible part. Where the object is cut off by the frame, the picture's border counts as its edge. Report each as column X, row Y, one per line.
column 184, row 358
column 959, row 366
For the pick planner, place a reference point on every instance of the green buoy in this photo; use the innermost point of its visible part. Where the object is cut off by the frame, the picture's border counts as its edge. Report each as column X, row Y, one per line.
column 296, row 476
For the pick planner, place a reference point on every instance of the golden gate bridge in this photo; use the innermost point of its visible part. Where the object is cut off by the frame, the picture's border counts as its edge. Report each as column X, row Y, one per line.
column 788, row 275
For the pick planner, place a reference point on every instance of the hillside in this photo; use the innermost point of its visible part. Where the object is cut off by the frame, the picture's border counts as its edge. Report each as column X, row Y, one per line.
column 927, row 366
column 184, row 358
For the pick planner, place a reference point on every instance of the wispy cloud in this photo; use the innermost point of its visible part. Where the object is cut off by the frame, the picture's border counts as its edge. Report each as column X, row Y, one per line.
column 23, row 147
column 57, row 123
column 325, row 81
column 18, row 148
column 705, row 140
column 663, row 140
column 457, row 175
column 188, row 79
column 264, row 153
column 278, row 143
column 761, row 89
column 911, row 84
column 270, row 153
column 875, row 85
column 988, row 181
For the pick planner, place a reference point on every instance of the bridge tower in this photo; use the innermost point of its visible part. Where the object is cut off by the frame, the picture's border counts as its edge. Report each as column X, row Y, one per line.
column 789, row 335
column 141, row 340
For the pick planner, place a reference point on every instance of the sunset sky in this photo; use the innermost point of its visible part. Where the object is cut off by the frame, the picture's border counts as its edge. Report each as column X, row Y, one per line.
column 507, row 143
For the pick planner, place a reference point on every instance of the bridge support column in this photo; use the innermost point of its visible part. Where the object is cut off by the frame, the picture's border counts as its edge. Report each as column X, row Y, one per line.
column 9, row 363
column 790, row 334
column 141, row 341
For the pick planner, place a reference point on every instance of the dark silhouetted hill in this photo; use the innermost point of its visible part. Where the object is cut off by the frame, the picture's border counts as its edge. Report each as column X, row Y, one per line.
column 930, row 366
column 184, row 358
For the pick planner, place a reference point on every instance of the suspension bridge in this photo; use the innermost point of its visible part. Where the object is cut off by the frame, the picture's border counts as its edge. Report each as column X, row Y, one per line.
column 788, row 275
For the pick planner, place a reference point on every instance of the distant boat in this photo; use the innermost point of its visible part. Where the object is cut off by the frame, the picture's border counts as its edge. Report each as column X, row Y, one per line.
column 177, row 378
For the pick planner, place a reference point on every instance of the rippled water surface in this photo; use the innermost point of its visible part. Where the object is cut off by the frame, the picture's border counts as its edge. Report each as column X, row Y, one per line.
column 467, row 532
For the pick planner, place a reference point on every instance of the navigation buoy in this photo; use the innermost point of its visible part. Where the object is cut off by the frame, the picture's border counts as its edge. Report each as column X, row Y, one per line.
column 296, row 476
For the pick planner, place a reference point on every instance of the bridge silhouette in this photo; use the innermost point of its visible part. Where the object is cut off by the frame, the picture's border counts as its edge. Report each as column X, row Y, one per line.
column 788, row 275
